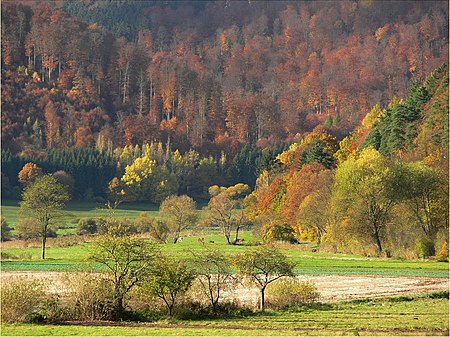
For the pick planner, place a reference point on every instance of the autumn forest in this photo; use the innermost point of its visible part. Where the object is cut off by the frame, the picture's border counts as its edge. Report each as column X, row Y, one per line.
column 338, row 106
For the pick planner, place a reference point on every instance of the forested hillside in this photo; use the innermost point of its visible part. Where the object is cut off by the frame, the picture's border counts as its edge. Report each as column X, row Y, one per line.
column 383, row 188
column 207, row 75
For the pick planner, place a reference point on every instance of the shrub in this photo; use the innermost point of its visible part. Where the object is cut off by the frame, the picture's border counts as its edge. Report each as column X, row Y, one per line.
column 439, row 294
column 277, row 232
column 52, row 310
column 87, row 226
column 90, row 296
column 8, row 256
column 118, row 226
column 192, row 309
column 144, row 223
column 442, row 254
column 5, row 230
column 425, row 247
column 291, row 292
column 159, row 231
column 26, row 229
column 21, row 300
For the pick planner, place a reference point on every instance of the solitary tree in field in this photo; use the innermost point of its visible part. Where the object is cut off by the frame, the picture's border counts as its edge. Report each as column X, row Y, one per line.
column 42, row 200
column 263, row 266
column 225, row 209
column 168, row 280
column 178, row 213
column 127, row 260
column 213, row 273
column 115, row 193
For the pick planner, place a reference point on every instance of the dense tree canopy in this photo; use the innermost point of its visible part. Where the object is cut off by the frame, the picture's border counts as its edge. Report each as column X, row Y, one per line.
column 211, row 75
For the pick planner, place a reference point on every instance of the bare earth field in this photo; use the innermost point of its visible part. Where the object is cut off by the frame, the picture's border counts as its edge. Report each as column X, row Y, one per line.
column 331, row 287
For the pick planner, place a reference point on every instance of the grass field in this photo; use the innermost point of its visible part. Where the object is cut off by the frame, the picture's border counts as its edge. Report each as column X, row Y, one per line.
column 420, row 315
column 75, row 210
column 67, row 258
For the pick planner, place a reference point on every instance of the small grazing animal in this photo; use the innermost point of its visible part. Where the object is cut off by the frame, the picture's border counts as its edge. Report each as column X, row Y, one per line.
column 201, row 240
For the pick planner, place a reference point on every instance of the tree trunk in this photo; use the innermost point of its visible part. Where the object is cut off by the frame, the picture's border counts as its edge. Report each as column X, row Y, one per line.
column 44, row 239
column 237, row 235
column 261, row 305
column 44, row 236
column 118, row 307
column 318, row 235
column 378, row 241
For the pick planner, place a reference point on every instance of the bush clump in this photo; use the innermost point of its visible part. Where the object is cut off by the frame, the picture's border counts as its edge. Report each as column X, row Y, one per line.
column 87, row 226
column 26, row 229
column 291, row 292
column 442, row 254
column 425, row 248
column 277, row 232
column 5, row 230
column 191, row 309
column 156, row 229
column 90, row 296
column 21, row 300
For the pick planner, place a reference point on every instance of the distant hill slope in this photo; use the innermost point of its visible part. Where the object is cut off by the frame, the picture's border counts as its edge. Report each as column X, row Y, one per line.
column 213, row 75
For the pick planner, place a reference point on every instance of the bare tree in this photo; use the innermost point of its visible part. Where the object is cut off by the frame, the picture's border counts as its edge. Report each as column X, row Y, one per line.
column 225, row 209
column 178, row 213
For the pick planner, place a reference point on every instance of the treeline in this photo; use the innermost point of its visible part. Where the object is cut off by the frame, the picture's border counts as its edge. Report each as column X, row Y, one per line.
column 149, row 172
column 211, row 76
column 90, row 170
column 381, row 190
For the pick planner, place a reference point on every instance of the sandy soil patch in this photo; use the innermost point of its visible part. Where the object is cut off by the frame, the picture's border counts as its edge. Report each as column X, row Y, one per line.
column 331, row 287
column 338, row 287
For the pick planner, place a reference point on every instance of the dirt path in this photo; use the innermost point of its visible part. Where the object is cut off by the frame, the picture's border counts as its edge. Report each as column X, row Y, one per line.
column 331, row 287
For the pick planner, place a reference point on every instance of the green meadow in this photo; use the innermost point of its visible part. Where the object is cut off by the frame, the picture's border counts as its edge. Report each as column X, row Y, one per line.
column 75, row 210
column 307, row 262
column 75, row 256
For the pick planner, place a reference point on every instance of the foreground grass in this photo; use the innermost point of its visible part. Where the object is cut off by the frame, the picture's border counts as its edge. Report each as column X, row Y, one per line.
column 419, row 315
column 74, row 257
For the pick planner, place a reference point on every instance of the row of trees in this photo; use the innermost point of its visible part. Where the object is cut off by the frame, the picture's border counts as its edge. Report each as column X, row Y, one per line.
column 132, row 262
column 88, row 170
column 280, row 69
column 149, row 172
